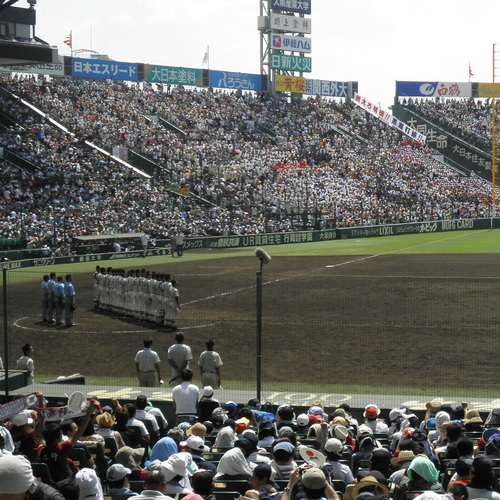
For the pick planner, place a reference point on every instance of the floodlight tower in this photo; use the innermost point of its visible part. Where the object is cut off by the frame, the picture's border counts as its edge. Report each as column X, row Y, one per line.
column 263, row 25
column 494, row 134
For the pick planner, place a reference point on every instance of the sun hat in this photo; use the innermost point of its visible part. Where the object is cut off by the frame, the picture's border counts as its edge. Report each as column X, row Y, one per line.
column 16, row 475
column 365, row 483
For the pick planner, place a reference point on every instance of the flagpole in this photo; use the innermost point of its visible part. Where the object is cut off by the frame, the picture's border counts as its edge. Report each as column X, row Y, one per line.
column 208, row 57
column 71, row 43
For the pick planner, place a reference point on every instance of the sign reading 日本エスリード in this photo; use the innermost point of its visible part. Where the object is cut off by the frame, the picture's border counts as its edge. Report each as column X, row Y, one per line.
column 94, row 68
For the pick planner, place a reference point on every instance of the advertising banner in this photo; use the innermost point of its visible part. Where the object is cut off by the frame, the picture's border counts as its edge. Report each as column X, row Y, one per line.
column 298, row 6
column 292, row 43
column 294, row 84
column 388, row 118
column 94, row 68
column 434, row 89
column 235, row 81
column 52, row 69
column 328, row 89
column 467, row 156
column 489, row 90
column 294, row 24
column 173, row 76
column 291, row 63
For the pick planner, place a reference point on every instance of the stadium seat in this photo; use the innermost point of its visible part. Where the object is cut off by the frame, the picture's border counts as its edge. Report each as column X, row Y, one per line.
column 42, row 473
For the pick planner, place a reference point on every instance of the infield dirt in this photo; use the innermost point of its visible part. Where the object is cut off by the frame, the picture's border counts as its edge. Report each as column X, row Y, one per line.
column 429, row 322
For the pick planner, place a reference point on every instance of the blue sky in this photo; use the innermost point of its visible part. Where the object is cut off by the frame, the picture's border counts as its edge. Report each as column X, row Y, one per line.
column 372, row 42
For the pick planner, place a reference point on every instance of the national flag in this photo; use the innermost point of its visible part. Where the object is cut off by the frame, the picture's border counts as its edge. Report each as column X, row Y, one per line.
column 470, row 71
column 69, row 41
column 205, row 58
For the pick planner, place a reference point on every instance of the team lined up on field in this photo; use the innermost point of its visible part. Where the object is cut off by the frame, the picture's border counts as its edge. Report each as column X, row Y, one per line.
column 138, row 293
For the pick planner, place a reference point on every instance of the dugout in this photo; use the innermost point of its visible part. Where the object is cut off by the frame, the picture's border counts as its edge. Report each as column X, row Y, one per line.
column 103, row 243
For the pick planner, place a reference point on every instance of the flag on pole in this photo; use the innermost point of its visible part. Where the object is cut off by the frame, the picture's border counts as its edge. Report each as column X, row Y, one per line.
column 205, row 58
column 69, row 40
column 470, row 71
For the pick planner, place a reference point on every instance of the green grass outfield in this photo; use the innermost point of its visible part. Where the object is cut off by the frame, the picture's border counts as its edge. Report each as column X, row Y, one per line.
column 457, row 242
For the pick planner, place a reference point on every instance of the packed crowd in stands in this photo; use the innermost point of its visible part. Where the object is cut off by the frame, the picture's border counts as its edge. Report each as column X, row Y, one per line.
column 470, row 119
column 256, row 452
column 323, row 164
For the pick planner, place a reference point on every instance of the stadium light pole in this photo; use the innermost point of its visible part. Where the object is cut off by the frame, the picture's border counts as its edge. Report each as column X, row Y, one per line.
column 264, row 258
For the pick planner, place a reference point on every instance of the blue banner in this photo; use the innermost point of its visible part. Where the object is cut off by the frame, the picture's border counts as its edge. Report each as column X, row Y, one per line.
column 235, row 81
column 94, row 68
column 434, row 89
column 298, row 6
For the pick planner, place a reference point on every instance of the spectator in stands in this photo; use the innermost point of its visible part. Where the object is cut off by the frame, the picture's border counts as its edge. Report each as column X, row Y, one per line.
column 314, row 485
column 185, row 397
column 131, row 409
column 262, row 485
column 17, row 481
column 163, row 449
column 371, row 414
column 117, row 479
column 25, row 435
column 177, row 470
column 196, row 447
column 207, row 403
column 483, row 478
column 267, row 434
column 105, row 421
column 141, row 403
column 421, row 475
column 233, row 465
column 283, row 463
column 226, row 436
column 55, row 452
column 202, row 483
column 341, row 471
column 154, row 486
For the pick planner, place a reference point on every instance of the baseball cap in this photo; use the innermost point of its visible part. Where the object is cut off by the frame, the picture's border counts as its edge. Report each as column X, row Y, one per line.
column 314, row 479
column 20, row 419
column 303, row 420
column 194, row 442
column 371, row 411
column 207, row 391
column 333, row 445
column 117, row 472
column 284, row 445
